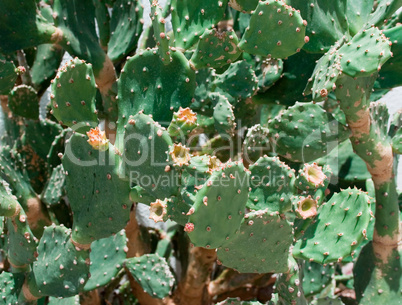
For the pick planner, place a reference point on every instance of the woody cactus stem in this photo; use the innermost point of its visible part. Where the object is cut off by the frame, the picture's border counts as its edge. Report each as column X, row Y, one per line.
column 193, row 288
column 374, row 147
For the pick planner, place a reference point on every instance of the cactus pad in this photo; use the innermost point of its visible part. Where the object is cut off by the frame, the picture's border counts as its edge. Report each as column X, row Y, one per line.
column 8, row 76
column 47, row 61
column 288, row 286
column 145, row 158
column 125, row 26
column 316, row 277
column 289, row 129
column 61, row 269
column 224, row 119
column 341, row 225
column 23, row 101
column 326, row 22
column 107, row 258
column 191, row 18
column 100, row 201
column 276, row 30
column 216, row 49
column 147, row 84
column 256, row 144
column 21, row 242
column 23, row 26
column 73, row 96
column 240, row 73
column 219, row 206
column 261, row 245
column 153, row 274
column 271, row 185
column 10, row 287
column 325, row 74
column 365, row 53
column 9, row 205
column 55, row 187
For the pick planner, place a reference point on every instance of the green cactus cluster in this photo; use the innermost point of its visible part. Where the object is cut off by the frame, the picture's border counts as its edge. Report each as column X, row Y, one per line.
column 199, row 152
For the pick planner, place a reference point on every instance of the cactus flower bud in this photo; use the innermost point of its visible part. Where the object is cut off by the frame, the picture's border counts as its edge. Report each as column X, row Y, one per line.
column 214, row 164
column 184, row 120
column 158, row 210
column 306, row 207
column 97, row 139
column 180, row 155
column 314, row 174
column 189, row 227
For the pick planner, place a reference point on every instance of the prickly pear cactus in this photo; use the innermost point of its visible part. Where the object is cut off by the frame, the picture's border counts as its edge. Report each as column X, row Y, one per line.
column 58, row 257
column 290, row 132
column 245, row 252
column 71, row 109
column 344, row 220
column 153, row 274
column 199, row 152
column 101, row 190
column 281, row 23
column 227, row 203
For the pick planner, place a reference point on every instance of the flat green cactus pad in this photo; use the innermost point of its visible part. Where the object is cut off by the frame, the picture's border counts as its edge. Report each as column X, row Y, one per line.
column 147, row 84
column 146, row 159
column 47, row 61
column 125, row 26
column 73, row 96
column 365, row 53
column 8, row 76
column 23, row 26
column 287, row 285
column 305, row 132
column 268, row 71
column 326, row 22
column 325, row 74
column 219, row 207
column 240, row 73
column 8, row 202
column 191, row 18
column 224, row 119
column 316, row 277
column 276, row 30
column 216, row 49
column 55, row 187
column 397, row 142
column 34, row 146
column 152, row 272
column 61, row 269
column 341, row 225
column 261, row 245
column 289, row 88
column 256, row 144
column 10, row 287
column 271, row 185
column 100, row 201
column 21, row 242
column 107, row 258
column 23, row 101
